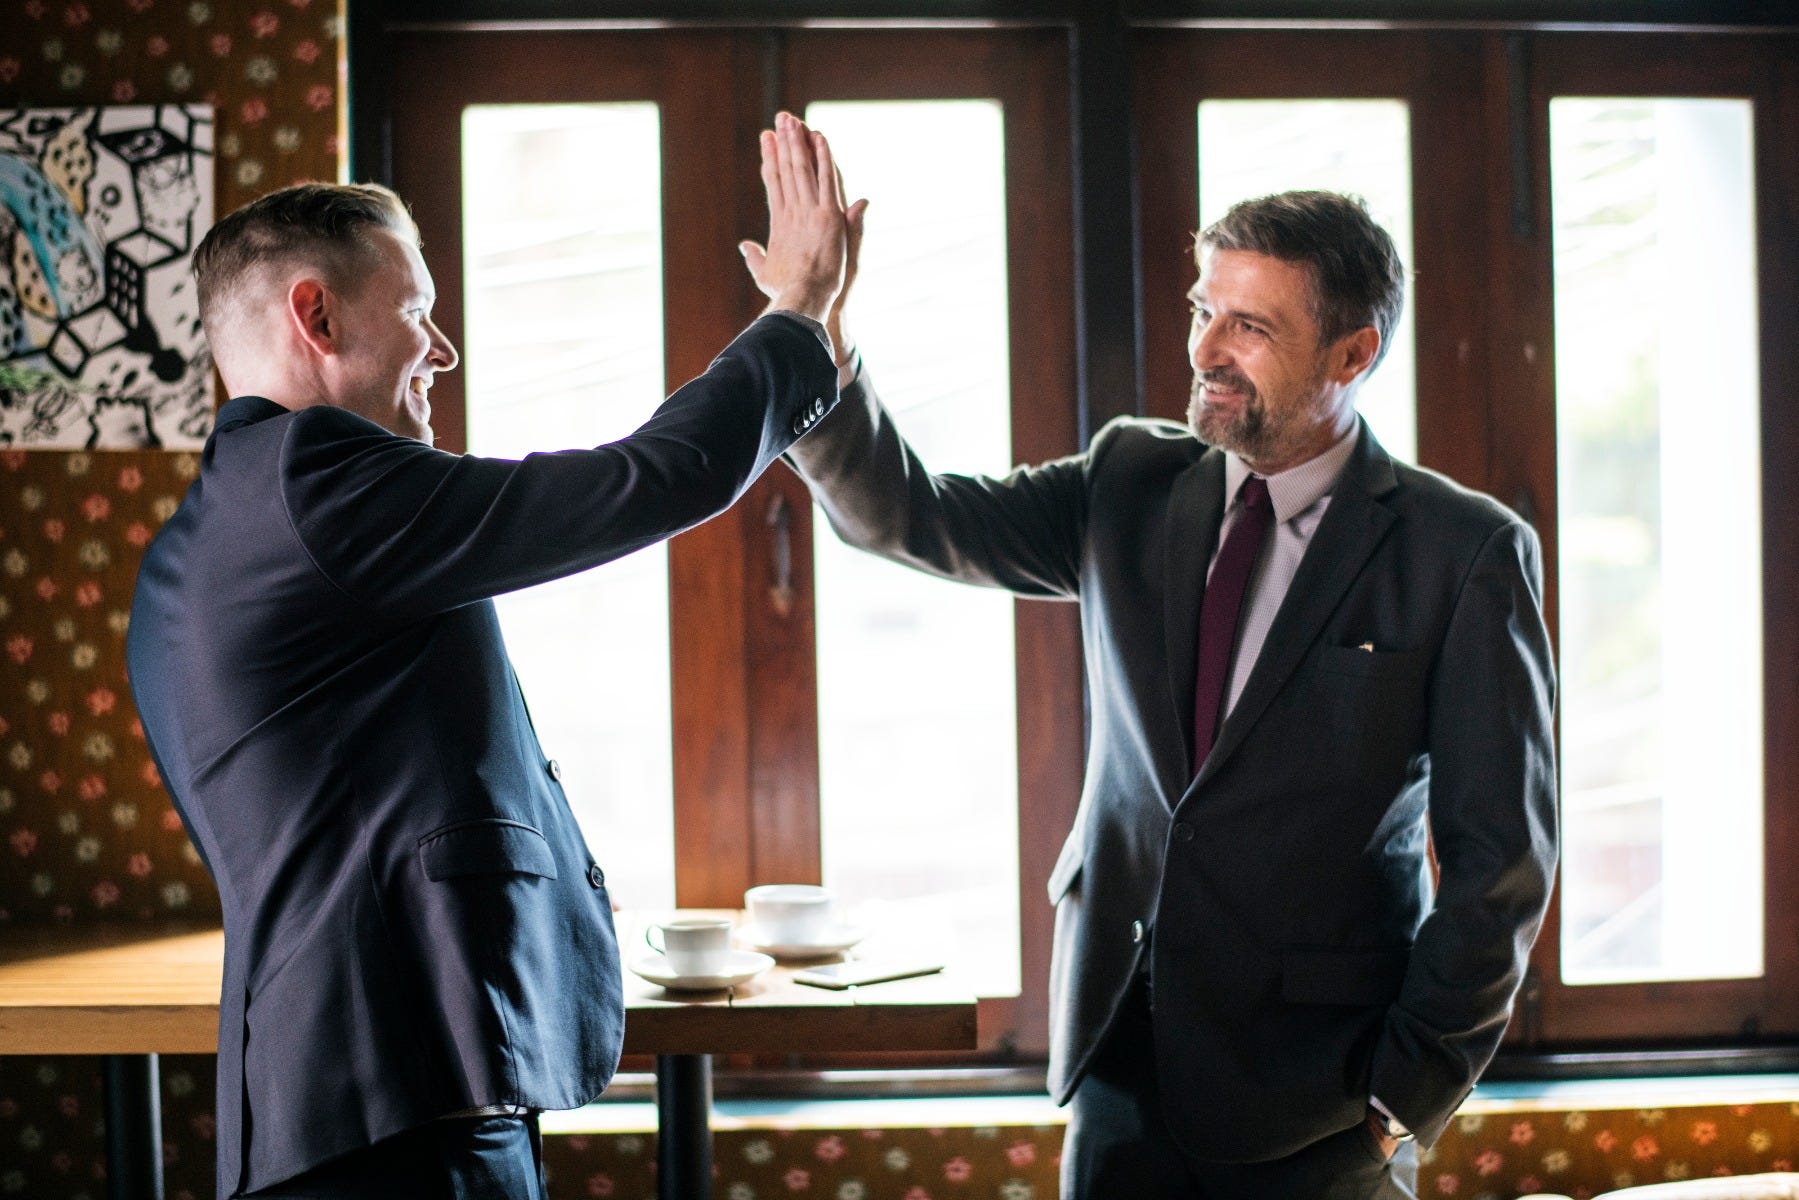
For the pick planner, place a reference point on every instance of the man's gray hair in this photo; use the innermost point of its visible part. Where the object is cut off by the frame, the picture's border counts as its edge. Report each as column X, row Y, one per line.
column 1357, row 278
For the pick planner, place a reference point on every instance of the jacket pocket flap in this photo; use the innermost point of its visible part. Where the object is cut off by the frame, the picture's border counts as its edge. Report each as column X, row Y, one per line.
column 1370, row 664
column 488, row 847
column 1343, row 976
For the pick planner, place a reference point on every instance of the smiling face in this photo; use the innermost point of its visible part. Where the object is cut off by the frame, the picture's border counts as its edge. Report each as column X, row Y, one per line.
column 1264, row 386
column 387, row 351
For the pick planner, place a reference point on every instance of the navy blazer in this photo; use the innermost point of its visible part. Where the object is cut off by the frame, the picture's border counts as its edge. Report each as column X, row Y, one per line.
column 1302, row 959
column 413, row 923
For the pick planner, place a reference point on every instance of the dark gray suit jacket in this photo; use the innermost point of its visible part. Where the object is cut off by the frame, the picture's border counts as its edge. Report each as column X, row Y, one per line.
column 413, row 923
column 1301, row 958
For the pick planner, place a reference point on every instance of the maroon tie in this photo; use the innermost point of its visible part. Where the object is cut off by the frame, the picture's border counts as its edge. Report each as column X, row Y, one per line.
column 1219, row 610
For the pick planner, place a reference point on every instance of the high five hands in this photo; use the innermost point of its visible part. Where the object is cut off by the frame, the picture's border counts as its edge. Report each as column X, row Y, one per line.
column 813, row 236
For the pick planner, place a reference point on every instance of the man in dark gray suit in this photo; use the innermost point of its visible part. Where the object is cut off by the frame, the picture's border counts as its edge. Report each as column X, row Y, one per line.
column 1306, row 662
column 419, row 950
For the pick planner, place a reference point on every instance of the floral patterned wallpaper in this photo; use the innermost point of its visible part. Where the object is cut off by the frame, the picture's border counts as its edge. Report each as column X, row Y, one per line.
column 86, row 831
column 1493, row 1153
column 270, row 68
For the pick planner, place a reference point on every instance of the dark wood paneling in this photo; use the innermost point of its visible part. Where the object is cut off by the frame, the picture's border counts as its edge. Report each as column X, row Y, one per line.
column 778, row 614
column 706, row 187
column 1451, row 170
column 1167, row 107
column 783, row 669
column 787, row 12
column 1521, row 391
column 1777, row 166
column 1109, row 333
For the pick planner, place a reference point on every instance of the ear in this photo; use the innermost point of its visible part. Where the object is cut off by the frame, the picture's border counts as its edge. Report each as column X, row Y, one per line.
column 311, row 311
column 1354, row 354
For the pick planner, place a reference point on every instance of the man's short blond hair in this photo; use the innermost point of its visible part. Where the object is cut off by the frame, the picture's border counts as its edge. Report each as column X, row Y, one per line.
column 321, row 226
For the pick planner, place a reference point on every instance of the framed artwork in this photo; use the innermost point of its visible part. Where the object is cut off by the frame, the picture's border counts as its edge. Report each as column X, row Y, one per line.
column 100, row 342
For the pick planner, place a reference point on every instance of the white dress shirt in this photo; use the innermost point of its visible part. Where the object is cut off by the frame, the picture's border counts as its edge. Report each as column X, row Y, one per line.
column 1300, row 495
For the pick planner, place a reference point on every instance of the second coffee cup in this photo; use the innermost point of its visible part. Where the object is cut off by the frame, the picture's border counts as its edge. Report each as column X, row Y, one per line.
column 791, row 913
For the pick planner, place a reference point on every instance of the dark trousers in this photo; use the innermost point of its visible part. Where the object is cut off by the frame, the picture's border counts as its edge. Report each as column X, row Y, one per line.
column 464, row 1158
column 1118, row 1145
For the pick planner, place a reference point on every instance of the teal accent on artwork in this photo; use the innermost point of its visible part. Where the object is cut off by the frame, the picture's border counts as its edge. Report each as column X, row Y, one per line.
column 52, row 234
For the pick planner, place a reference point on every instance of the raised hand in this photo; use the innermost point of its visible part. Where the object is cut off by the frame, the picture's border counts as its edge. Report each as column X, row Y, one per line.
column 802, row 268
column 834, row 325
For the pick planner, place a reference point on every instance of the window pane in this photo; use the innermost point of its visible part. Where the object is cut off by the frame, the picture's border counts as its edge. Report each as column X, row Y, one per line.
column 1250, row 148
column 1659, row 535
column 917, row 717
column 563, row 251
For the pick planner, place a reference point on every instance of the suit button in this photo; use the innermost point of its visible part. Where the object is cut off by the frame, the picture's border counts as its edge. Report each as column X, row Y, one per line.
column 1183, row 832
column 818, row 406
column 555, row 770
column 1136, row 931
column 596, row 876
column 799, row 427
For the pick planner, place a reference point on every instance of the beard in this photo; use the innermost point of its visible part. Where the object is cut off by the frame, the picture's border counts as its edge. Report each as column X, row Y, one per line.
column 1247, row 433
column 1257, row 433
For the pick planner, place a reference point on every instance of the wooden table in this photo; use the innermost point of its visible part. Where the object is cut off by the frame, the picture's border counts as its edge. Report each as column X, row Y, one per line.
column 132, row 994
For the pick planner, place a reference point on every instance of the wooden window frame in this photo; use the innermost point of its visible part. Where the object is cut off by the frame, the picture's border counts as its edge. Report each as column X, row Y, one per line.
column 1761, row 70
column 747, row 792
column 744, row 674
column 1483, row 308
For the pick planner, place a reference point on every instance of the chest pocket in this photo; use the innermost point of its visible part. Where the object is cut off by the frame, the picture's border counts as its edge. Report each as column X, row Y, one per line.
column 1371, row 704
column 486, row 847
column 1376, row 665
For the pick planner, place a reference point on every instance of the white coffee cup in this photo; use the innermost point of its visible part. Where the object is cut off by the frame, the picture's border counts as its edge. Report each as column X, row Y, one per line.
column 693, row 945
column 790, row 913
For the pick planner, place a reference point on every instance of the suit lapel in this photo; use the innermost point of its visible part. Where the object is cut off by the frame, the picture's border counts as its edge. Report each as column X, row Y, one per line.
column 1352, row 527
column 1195, row 506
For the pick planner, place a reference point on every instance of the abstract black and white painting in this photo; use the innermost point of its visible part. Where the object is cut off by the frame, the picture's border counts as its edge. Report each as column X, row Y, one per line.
column 100, row 211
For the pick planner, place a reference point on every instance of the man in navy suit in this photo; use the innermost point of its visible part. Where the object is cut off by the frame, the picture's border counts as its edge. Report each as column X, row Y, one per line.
column 1306, row 664
column 419, row 950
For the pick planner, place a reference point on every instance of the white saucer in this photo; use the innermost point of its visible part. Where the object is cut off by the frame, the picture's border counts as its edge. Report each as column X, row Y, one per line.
column 740, row 966
column 833, row 940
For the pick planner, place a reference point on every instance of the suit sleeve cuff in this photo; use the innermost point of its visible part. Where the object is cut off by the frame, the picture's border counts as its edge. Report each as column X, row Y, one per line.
column 1388, row 1113
column 807, row 323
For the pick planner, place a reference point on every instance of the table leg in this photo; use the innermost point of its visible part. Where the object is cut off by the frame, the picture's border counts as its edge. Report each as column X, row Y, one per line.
column 133, row 1127
column 684, row 1127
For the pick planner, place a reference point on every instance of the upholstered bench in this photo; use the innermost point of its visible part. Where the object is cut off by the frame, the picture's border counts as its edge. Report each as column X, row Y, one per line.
column 1779, row 1186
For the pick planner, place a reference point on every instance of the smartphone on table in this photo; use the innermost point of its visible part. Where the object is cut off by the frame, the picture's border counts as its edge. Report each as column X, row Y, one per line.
column 863, row 971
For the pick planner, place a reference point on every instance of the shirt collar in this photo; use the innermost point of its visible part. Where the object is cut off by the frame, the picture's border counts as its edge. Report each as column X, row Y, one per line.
column 1297, row 488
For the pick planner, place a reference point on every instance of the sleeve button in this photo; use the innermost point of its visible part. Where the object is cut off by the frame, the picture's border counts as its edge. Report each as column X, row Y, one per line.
column 1136, row 931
